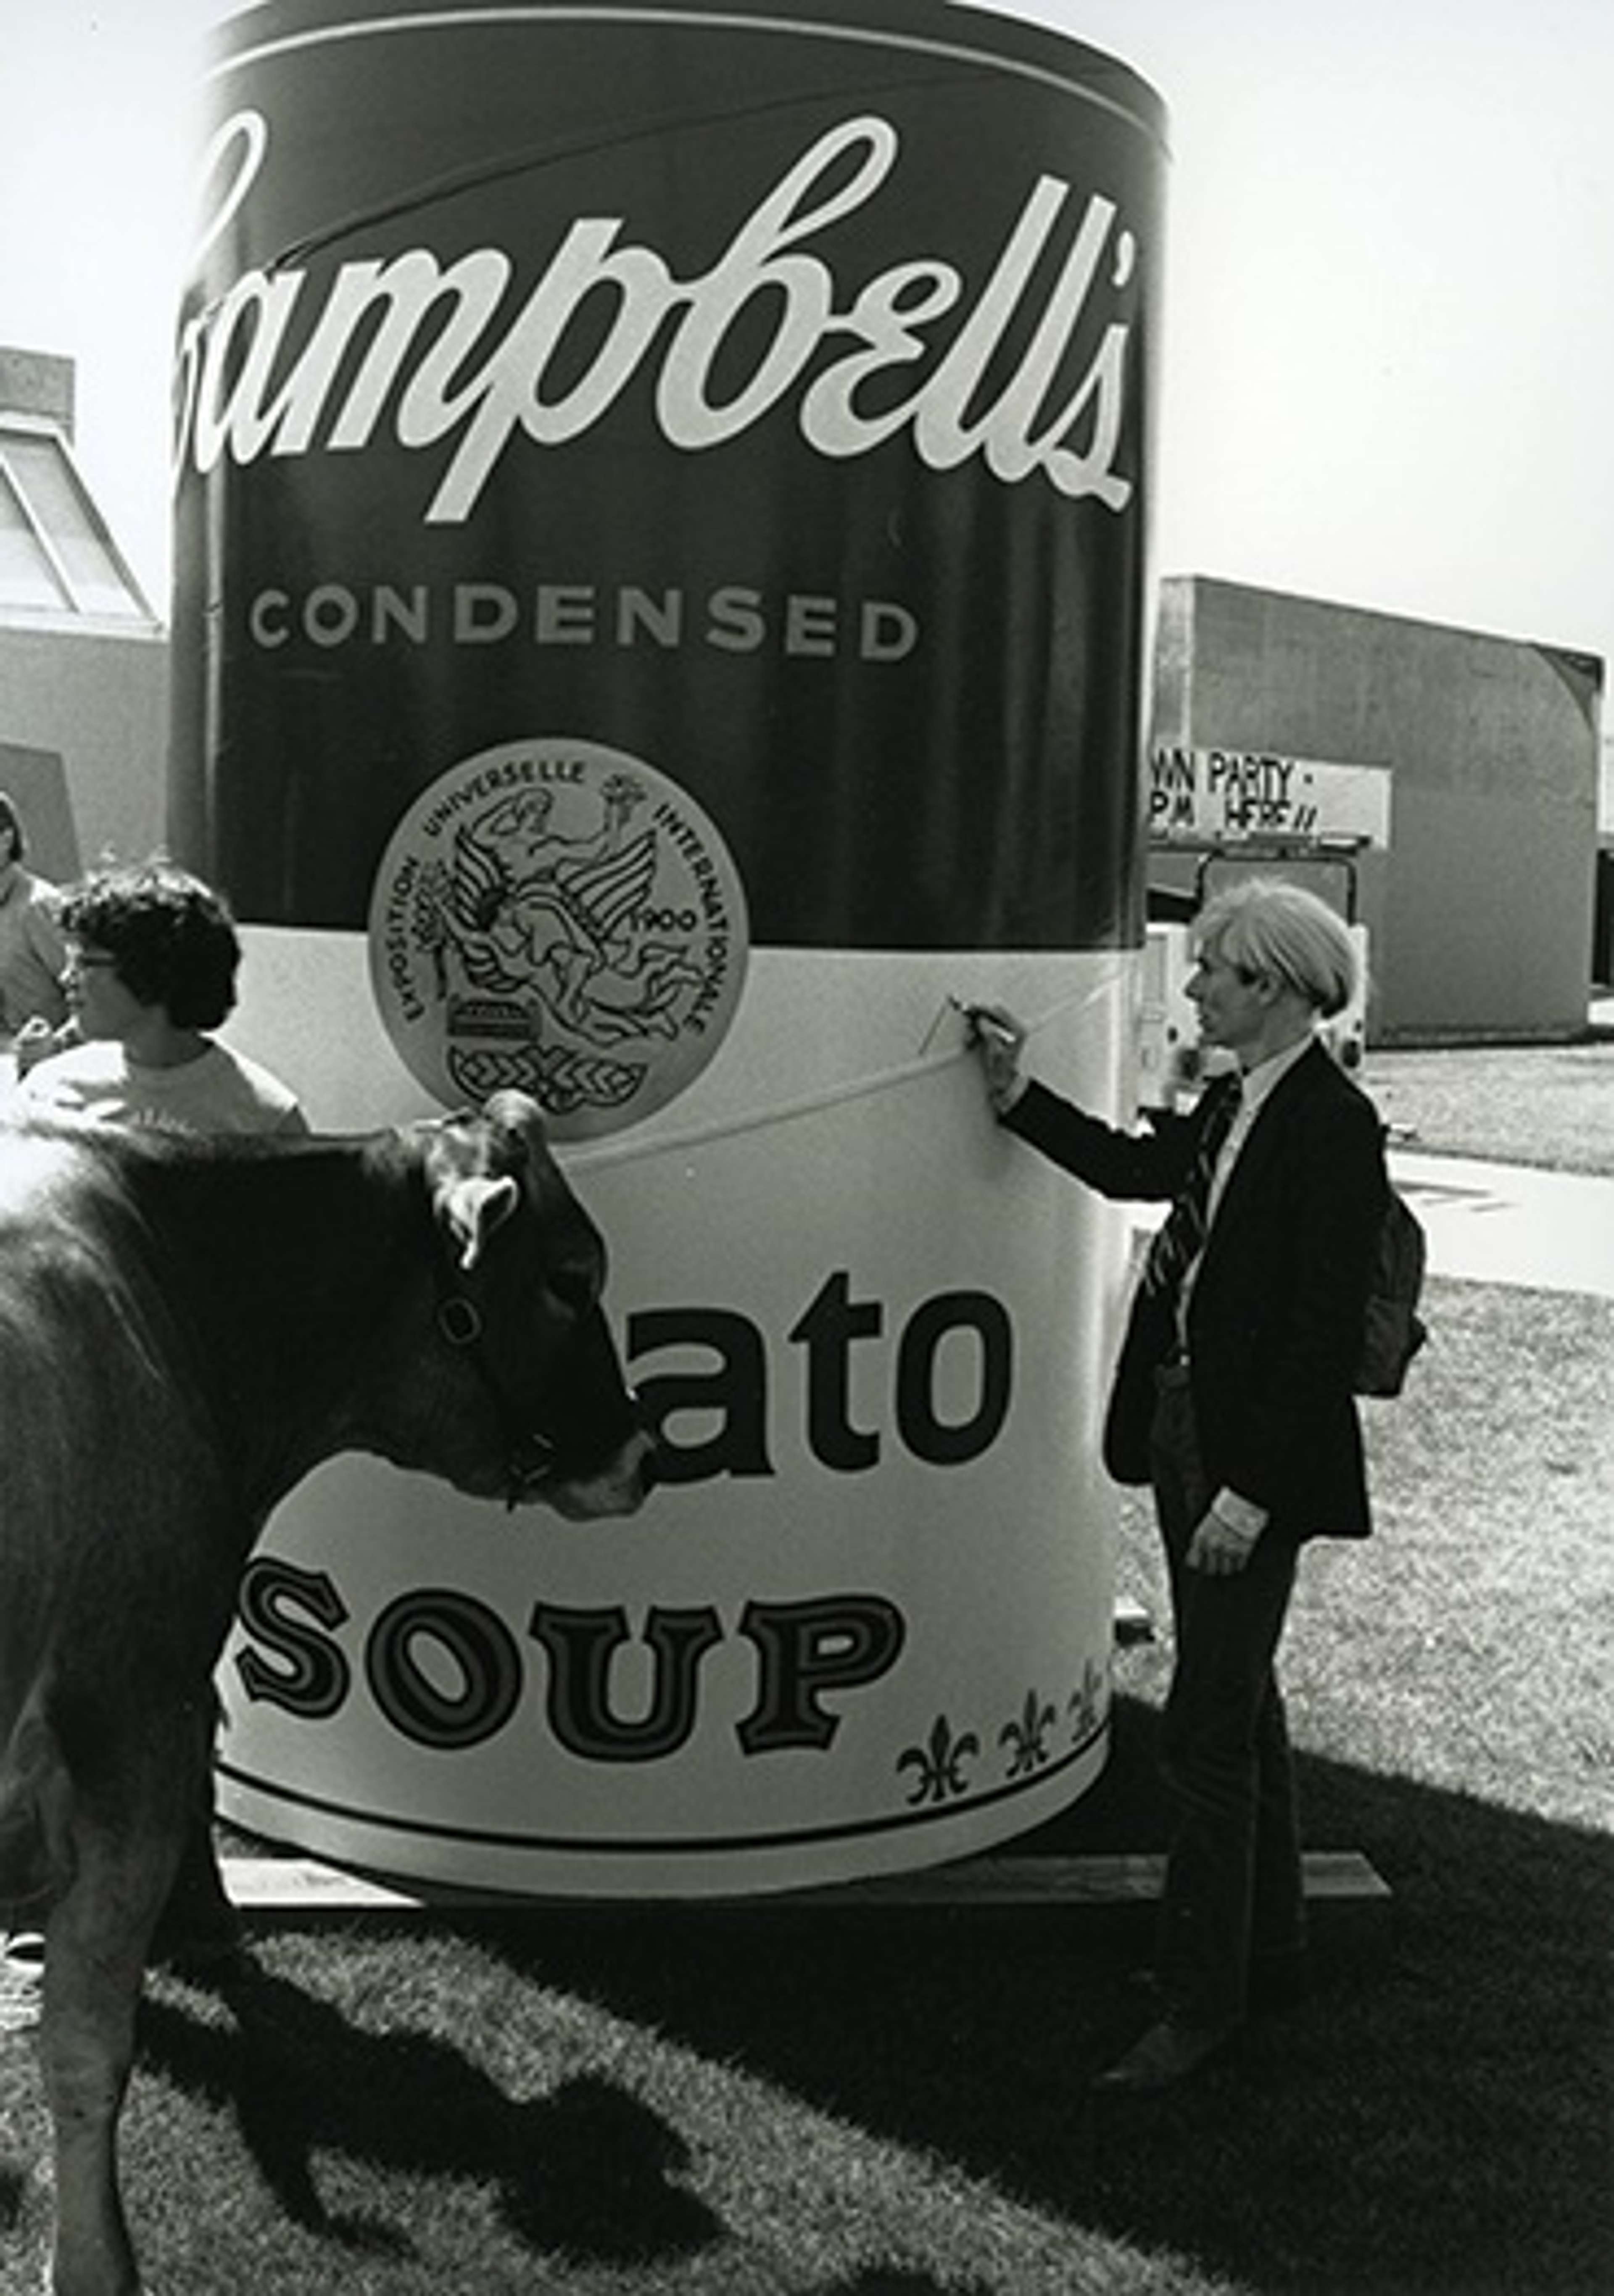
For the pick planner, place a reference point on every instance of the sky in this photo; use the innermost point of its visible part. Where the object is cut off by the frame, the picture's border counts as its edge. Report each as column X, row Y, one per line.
column 1389, row 339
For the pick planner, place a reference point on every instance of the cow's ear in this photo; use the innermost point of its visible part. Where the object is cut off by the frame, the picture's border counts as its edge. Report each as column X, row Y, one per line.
column 473, row 1208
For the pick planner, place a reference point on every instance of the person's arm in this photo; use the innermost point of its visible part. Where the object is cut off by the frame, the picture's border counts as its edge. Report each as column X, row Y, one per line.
column 1123, row 1164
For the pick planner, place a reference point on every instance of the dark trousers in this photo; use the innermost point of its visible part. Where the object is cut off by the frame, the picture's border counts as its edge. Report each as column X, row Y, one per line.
column 1233, row 1894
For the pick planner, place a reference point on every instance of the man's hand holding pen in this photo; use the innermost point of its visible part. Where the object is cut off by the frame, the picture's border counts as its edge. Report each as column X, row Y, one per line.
column 998, row 1039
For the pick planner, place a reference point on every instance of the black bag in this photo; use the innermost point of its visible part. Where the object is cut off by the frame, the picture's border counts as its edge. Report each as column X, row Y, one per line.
column 1393, row 1331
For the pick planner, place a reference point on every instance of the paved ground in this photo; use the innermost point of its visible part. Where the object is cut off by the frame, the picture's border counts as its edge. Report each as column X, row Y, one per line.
column 1501, row 1224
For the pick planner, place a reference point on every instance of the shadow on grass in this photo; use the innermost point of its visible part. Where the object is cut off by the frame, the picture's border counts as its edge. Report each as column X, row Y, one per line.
column 583, row 2172
column 14, row 2186
column 1429, row 2118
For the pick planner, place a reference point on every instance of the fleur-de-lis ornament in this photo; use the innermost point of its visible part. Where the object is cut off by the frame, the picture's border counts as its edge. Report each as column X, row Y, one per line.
column 1027, row 1737
column 940, row 1763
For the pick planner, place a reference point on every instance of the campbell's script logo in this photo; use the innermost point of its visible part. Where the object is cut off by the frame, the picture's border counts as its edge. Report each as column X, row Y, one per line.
column 561, row 918
column 1023, row 367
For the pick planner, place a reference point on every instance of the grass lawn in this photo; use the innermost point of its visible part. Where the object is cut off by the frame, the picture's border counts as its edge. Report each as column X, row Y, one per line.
column 1551, row 1104
column 774, row 2101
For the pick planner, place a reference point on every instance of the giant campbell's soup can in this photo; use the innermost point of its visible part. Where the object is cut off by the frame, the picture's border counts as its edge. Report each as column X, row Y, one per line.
column 660, row 611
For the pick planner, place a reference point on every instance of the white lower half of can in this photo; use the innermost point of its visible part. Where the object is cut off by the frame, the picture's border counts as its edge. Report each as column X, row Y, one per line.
column 866, row 1626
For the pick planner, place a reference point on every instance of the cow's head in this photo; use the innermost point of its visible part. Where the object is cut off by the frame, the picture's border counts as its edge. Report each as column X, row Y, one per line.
column 540, row 1405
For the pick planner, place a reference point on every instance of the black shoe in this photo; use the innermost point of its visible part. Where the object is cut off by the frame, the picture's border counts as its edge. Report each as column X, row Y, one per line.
column 1168, row 2053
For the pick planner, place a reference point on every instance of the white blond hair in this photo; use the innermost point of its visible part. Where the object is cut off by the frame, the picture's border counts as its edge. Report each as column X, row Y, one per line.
column 1265, row 924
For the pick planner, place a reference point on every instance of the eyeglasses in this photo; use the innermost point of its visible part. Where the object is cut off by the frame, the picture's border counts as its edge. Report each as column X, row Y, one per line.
column 89, row 960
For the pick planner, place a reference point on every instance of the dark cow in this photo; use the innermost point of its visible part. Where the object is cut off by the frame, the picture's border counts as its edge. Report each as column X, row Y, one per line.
column 186, row 1328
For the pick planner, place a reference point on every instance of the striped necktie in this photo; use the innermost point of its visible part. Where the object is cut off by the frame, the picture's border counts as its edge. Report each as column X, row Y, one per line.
column 1178, row 1242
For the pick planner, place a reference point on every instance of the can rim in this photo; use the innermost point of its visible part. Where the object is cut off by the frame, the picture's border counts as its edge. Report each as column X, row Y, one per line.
column 981, row 37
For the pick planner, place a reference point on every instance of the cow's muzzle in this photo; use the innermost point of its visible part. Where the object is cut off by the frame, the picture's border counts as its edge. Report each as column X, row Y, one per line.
column 618, row 1486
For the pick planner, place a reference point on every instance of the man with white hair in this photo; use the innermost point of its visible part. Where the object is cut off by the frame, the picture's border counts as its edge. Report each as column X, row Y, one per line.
column 1233, row 1399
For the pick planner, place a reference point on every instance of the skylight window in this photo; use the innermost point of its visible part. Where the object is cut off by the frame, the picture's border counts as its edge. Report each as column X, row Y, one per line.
column 26, row 579
column 56, row 555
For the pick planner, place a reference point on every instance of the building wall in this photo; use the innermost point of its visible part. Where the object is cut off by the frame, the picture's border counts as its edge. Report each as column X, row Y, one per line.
column 99, row 700
column 1480, row 914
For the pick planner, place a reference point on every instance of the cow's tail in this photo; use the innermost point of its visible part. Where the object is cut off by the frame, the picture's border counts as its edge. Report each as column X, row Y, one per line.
column 36, row 1854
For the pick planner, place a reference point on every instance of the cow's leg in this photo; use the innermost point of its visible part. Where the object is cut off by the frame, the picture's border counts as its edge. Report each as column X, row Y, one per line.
column 96, row 1949
column 199, row 1927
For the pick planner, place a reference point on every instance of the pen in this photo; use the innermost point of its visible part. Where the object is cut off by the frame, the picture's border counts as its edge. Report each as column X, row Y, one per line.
column 979, row 1021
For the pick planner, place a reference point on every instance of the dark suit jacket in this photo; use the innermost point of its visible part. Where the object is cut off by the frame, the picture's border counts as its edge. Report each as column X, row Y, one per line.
column 1275, row 1313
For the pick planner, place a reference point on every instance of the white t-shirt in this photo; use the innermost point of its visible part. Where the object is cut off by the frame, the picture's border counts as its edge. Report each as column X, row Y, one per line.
column 221, row 1091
